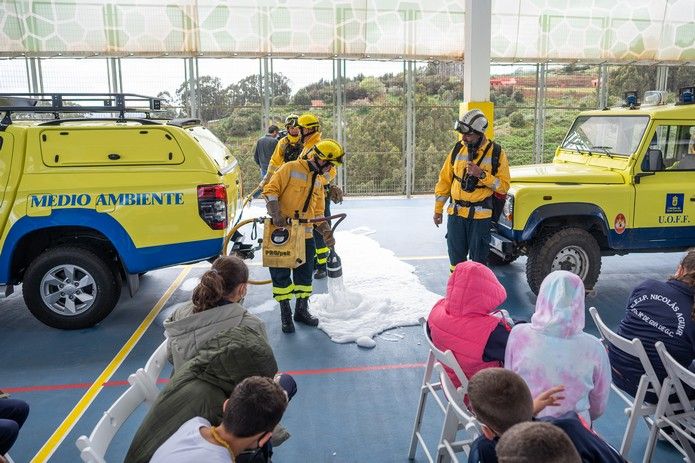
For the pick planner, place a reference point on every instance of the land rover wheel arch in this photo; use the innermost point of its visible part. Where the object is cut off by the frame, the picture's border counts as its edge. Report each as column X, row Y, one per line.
column 70, row 287
column 571, row 249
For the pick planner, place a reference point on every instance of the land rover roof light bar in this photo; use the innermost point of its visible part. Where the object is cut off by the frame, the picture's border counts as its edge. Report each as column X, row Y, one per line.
column 61, row 103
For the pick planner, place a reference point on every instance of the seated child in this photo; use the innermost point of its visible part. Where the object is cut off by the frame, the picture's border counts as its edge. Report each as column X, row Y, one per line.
column 465, row 321
column 536, row 442
column 500, row 399
column 215, row 307
column 553, row 349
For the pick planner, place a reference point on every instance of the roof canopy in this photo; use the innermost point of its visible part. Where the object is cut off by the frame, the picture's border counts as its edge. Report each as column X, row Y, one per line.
column 522, row 30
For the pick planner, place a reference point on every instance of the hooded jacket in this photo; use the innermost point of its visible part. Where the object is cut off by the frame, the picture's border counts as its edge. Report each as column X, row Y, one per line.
column 553, row 349
column 187, row 332
column 200, row 387
column 462, row 321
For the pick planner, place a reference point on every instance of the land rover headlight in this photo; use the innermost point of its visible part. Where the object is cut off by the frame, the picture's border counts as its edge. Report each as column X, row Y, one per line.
column 508, row 209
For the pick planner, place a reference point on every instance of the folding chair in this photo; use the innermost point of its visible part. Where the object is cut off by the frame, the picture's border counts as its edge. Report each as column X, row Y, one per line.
column 143, row 389
column 430, row 386
column 682, row 421
column 649, row 382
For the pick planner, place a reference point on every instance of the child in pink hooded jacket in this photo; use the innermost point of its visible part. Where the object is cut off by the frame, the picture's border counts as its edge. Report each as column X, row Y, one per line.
column 553, row 349
column 463, row 321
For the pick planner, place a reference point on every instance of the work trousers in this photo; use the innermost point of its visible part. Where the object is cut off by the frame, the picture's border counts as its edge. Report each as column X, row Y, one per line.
column 467, row 239
column 289, row 283
column 321, row 256
column 13, row 413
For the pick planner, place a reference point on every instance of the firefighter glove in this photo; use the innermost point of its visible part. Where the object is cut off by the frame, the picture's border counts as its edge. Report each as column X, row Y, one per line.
column 325, row 229
column 274, row 212
column 335, row 194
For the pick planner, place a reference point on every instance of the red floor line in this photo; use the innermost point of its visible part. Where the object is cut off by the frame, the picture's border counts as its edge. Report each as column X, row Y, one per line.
column 323, row 371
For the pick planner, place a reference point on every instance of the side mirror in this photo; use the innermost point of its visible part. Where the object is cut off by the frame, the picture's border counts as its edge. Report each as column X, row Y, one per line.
column 653, row 160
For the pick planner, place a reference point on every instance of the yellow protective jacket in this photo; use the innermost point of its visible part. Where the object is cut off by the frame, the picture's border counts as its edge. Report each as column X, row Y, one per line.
column 291, row 185
column 309, row 143
column 449, row 187
column 278, row 158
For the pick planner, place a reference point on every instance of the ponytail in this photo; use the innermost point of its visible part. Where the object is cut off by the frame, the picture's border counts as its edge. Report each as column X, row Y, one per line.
column 688, row 277
column 226, row 274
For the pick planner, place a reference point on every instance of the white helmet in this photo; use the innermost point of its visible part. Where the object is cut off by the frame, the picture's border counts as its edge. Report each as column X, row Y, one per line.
column 473, row 121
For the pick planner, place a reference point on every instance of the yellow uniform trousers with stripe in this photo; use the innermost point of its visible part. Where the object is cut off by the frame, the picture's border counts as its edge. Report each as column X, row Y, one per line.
column 294, row 283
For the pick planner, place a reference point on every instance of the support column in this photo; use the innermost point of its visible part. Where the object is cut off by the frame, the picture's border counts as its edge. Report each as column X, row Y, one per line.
column 113, row 66
column 266, row 90
column 191, row 70
column 338, row 74
column 409, row 127
column 476, row 68
column 34, row 75
column 661, row 77
column 539, row 123
column 602, row 86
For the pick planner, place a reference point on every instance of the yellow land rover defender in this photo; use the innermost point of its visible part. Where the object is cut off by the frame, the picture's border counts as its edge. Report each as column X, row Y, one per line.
column 622, row 181
column 90, row 203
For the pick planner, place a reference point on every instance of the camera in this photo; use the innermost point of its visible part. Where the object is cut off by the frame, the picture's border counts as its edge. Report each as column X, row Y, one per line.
column 469, row 183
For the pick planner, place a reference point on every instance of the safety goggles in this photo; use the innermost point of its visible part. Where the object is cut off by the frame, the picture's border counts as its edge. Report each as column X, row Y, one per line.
column 338, row 161
column 463, row 128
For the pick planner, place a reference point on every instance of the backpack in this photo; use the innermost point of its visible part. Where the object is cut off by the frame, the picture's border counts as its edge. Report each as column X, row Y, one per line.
column 498, row 199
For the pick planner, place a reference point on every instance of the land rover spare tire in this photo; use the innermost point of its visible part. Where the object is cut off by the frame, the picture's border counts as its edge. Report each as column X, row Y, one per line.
column 70, row 288
column 571, row 249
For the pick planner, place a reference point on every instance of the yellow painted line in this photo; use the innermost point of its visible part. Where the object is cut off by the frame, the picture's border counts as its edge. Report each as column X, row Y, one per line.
column 69, row 422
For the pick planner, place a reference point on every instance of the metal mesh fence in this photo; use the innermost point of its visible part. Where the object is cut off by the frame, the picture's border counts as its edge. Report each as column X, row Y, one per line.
column 373, row 113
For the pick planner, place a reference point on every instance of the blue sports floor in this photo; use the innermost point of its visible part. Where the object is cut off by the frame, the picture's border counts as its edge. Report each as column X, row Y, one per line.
column 353, row 405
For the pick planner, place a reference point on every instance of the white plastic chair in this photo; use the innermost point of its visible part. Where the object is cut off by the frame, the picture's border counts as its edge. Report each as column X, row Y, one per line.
column 430, row 386
column 649, row 382
column 457, row 416
column 143, row 389
column 681, row 421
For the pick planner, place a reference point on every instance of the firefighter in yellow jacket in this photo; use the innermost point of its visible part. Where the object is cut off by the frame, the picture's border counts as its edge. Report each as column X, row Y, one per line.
column 295, row 191
column 472, row 172
column 311, row 135
column 288, row 148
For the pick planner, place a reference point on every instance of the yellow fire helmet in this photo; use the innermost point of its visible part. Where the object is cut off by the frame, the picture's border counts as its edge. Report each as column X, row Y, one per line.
column 291, row 120
column 329, row 150
column 308, row 121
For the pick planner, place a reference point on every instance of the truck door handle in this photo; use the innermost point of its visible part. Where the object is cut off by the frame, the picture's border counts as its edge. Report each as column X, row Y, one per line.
column 692, row 198
column 114, row 156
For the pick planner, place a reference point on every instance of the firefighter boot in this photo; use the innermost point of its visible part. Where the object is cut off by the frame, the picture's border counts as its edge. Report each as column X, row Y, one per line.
column 301, row 313
column 286, row 317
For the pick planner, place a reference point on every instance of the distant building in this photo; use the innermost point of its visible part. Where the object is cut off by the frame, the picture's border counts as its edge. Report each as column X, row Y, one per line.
column 318, row 103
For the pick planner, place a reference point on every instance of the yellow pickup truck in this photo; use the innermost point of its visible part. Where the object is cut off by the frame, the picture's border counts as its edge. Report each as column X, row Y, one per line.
column 90, row 203
column 622, row 181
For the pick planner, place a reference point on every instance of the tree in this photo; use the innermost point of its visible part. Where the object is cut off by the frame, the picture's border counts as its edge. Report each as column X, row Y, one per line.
column 374, row 87
column 213, row 100
column 248, row 91
column 302, row 98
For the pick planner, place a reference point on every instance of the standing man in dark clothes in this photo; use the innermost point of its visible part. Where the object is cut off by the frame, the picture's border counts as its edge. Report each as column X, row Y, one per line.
column 658, row 311
column 264, row 149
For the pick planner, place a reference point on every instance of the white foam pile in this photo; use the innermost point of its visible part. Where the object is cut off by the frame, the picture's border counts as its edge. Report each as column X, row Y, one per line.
column 378, row 292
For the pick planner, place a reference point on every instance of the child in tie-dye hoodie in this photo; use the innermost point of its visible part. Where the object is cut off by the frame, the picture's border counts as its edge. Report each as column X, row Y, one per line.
column 553, row 350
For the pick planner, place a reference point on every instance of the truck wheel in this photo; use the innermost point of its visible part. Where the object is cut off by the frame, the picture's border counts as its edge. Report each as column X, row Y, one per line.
column 70, row 288
column 497, row 261
column 571, row 249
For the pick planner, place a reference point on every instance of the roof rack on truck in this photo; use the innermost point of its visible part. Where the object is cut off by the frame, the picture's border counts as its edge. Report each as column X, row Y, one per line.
column 71, row 103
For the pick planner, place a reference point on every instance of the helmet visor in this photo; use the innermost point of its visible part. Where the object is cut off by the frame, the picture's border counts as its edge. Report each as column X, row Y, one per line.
column 335, row 159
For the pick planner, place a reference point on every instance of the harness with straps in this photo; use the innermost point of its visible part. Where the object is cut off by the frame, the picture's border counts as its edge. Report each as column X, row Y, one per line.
column 495, row 163
column 292, row 151
column 315, row 173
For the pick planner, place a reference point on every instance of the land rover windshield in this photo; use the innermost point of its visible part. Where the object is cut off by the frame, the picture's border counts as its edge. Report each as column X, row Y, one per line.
column 609, row 135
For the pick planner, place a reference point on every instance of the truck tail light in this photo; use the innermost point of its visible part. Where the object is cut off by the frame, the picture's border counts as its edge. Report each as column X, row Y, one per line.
column 212, row 205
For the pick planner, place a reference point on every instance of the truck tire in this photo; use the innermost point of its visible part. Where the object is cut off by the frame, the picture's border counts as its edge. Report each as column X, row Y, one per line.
column 70, row 288
column 496, row 261
column 571, row 249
